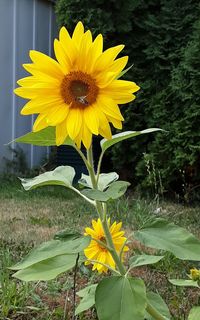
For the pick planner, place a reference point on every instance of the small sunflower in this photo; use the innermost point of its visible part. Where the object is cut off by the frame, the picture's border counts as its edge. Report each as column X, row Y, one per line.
column 96, row 251
column 194, row 274
column 79, row 93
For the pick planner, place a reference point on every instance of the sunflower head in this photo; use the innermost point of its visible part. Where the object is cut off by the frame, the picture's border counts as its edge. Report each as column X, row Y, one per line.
column 96, row 249
column 78, row 93
column 194, row 274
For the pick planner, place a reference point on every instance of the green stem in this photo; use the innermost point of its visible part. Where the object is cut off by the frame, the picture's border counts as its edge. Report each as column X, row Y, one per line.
column 101, row 210
column 102, row 215
column 99, row 165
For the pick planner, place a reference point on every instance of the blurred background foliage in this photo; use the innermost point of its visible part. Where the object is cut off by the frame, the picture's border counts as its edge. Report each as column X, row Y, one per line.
column 162, row 39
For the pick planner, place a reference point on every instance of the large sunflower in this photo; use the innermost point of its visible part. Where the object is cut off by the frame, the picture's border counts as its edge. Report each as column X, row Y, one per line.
column 79, row 93
column 97, row 252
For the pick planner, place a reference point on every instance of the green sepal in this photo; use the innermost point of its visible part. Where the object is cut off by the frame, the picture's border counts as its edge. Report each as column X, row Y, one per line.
column 105, row 144
column 88, row 298
column 114, row 191
column 45, row 137
column 120, row 298
column 124, row 71
column 163, row 235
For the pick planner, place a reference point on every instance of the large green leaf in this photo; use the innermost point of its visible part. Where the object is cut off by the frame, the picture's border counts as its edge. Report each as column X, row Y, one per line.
column 159, row 304
column 45, row 137
column 52, row 249
column 105, row 179
column 184, row 283
column 143, row 259
column 105, row 144
column 114, row 191
column 160, row 234
column 88, row 298
column 120, row 298
column 194, row 313
column 47, row 269
column 62, row 176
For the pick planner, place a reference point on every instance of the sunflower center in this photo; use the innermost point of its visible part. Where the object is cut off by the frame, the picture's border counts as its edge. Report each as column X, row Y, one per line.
column 79, row 89
column 103, row 239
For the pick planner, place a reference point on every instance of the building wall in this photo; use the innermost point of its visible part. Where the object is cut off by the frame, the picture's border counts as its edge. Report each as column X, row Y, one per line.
column 24, row 25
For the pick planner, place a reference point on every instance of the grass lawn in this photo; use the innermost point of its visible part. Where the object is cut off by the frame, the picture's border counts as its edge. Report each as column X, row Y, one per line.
column 29, row 218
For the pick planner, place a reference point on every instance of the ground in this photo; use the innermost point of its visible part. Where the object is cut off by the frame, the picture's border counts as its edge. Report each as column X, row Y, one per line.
column 29, row 218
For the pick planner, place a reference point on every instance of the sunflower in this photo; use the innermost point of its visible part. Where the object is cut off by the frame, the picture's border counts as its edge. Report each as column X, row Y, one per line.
column 194, row 274
column 79, row 93
column 96, row 251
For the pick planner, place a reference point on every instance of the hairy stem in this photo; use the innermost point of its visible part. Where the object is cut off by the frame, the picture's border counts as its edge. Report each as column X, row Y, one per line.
column 101, row 210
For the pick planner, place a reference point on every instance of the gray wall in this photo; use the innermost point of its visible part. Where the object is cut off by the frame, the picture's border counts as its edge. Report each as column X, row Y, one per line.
column 24, row 25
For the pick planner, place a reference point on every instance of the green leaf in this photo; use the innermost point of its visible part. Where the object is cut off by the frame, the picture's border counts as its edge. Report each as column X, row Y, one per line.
column 184, row 283
column 105, row 144
column 144, row 259
column 123, row 72
column 62, row 176
column 45, row 137
column 52, row 249
column 194, row 313
column 105, row 179
column 120, row 298
column 47, row 269
column 88, row 298
column 159, row 304
column 114, row 191
column 160, row 234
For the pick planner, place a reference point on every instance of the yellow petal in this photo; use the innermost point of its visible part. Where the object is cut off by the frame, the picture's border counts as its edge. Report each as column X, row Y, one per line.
column 122, row 86
column 118, row 65
column 86, row 136
column 104, row 127
column 32, row 92
column 61, row 133
column 57, row 114
column 74, row 122
column 106, row 58
column 94, row 52
column 40, row 123
column 33, row 81
column 68, row 45
column 121, row 99
column 116, row 123
column 105, row 78
column 40, row 105
column 61, row 57
column 83, row 61
column 78, row 34
column 109, row 107
column 91, row 120
column 45, row 63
